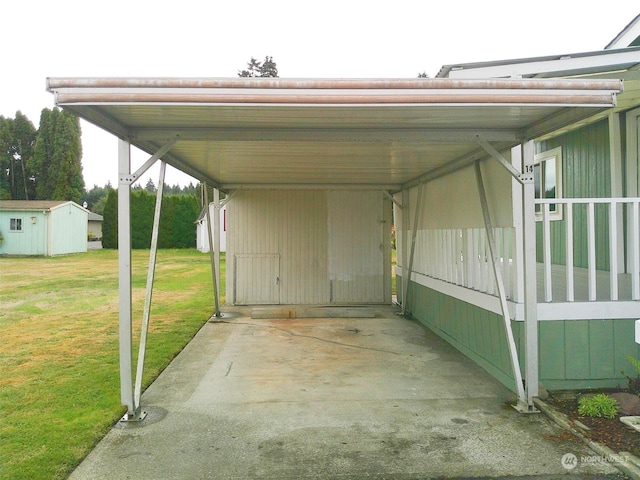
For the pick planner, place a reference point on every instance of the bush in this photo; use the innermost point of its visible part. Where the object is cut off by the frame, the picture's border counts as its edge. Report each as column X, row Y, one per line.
column 600, row 405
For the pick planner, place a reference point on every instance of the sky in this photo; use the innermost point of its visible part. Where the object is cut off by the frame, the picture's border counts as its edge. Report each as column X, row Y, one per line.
column 312, row 39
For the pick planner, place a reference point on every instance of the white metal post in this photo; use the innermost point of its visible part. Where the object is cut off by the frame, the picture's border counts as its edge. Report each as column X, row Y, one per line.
column 124, row 276
column 406, row 207
column 414, row 233
column 216, row 237
column 214, row 276
column 530, row 287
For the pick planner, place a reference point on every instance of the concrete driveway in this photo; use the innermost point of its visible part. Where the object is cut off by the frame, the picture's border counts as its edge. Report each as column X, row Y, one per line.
column 323, row 398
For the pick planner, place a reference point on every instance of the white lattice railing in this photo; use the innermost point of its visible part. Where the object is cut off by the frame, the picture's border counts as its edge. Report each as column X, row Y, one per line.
column 618, row 210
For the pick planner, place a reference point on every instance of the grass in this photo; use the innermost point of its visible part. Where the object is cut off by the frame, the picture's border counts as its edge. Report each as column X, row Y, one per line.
column 59, row 388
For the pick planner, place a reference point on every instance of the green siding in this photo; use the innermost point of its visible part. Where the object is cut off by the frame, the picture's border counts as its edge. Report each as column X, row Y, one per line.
column 586, row 173
column 573, row 354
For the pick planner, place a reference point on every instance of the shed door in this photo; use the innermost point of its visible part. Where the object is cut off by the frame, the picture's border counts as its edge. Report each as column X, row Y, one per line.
column 257, row 279
column 356, row 250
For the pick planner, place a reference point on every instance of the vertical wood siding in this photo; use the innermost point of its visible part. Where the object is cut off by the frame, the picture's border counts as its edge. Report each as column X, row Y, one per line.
column 356, row 247
column 586, row 173
column 324, row 240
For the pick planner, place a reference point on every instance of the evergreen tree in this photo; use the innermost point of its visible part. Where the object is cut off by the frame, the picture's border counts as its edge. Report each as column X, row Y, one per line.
column 57, row 157
column 255, row 68
column 17, row 139
column 110, row 220
column 150, row 186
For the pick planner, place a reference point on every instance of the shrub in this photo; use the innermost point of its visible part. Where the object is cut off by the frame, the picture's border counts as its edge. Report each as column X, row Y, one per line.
column 600, row 405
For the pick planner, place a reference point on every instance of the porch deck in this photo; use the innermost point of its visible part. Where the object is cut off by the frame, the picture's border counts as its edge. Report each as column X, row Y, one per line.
column 581, row 285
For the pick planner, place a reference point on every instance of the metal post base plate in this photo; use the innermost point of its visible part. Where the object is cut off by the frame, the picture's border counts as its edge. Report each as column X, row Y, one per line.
column 131, row 417
column 522, row 407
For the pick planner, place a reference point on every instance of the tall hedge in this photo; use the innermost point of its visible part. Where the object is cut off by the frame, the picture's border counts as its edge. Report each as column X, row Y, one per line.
column 177, row 216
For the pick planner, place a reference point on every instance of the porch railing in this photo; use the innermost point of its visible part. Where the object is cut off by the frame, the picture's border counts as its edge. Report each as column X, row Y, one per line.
column 462, row 257
column 602, row 221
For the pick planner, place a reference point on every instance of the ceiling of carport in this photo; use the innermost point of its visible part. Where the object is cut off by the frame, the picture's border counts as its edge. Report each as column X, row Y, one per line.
column 383, row 133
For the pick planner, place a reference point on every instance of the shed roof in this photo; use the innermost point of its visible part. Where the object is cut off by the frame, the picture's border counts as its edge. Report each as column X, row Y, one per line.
column 327, row 132
column 30, row 205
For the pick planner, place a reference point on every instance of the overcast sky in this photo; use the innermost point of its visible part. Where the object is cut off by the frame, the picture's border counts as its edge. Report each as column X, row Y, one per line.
column 328, row 39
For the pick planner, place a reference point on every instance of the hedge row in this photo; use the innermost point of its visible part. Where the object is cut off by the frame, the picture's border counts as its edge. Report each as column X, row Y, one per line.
column 177, row 220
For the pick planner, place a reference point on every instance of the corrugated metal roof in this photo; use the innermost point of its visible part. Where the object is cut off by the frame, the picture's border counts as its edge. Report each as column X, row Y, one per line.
column 249, row 132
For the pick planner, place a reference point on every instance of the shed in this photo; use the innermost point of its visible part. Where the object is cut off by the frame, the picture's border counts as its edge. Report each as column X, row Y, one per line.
column 42, row 227
column 202, row 236
column 95, row 226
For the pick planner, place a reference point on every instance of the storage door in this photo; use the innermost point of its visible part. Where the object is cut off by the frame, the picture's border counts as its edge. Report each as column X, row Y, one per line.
column 257, row 279
column 356, row 250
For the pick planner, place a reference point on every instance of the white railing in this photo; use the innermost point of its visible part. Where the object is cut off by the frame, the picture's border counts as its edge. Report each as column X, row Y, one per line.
column 617, row 209
column 462, row 257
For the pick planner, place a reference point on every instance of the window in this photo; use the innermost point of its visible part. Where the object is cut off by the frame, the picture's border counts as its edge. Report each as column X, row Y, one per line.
column 15, row 224
column 547, row 179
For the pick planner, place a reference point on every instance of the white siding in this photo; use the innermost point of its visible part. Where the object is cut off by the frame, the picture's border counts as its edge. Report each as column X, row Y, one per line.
column 301, row 228
column 356, row 247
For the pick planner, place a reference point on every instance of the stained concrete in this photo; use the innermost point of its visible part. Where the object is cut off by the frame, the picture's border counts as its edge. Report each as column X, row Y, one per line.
column 345, row 398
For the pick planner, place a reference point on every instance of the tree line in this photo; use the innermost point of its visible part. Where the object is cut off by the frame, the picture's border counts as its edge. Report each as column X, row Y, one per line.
column 177, row 220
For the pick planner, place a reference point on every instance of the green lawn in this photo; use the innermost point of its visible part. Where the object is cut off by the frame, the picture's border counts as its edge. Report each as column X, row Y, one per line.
column 59, row 386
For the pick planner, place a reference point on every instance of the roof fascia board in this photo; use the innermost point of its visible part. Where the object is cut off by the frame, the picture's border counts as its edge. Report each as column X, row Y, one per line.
column 564, row 65
column 440, row 91
column 627, row 36
column 324, row 134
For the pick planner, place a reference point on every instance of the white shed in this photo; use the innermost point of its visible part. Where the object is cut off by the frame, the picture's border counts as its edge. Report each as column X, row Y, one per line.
column 202, row 237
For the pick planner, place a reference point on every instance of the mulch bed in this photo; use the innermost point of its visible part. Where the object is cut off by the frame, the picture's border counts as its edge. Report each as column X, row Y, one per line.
column 611, row 433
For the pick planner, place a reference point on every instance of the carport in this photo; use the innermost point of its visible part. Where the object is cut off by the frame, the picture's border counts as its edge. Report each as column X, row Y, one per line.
column 336, row 135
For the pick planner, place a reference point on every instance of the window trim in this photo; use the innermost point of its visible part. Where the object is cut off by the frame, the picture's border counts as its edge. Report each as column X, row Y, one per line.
column 15, row 224
column 539, row 158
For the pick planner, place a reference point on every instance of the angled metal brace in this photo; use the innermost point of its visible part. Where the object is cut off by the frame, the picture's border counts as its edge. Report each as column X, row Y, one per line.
column 414, row 234
column 513, row 353
column 228, row 198
column 520, row 177
column 149, row 163
column 390, row 197
column 149, row 290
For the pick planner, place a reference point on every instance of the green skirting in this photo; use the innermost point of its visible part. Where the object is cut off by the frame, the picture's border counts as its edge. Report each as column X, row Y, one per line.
column 573, row 354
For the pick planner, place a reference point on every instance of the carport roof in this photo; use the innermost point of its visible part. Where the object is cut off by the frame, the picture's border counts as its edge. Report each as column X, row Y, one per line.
column 385, row 133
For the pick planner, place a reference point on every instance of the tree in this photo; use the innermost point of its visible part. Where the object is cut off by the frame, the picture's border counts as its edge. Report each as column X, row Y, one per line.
column 255, row 68
column 150, row 186
column 423, row 75
column 110, row 220
column 17, row 139
column 56, row 161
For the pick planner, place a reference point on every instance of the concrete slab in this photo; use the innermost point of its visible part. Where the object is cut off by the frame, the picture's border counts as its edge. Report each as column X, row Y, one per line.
column 344, row 398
